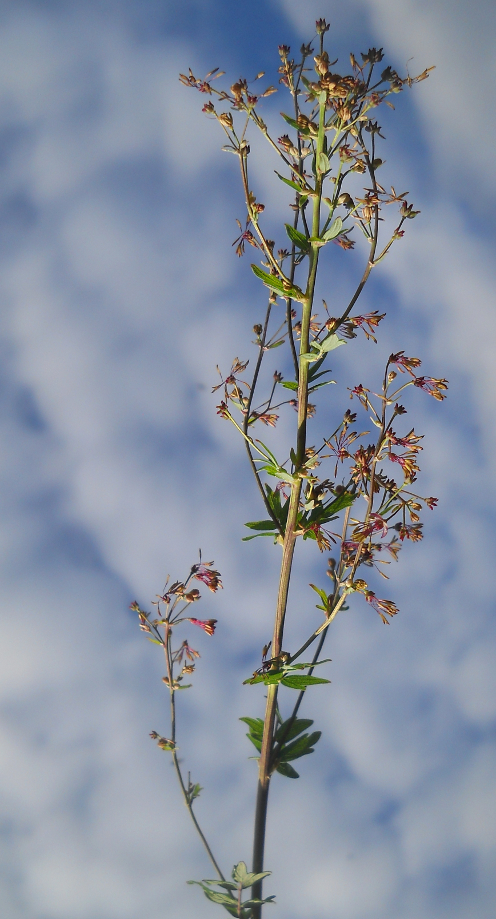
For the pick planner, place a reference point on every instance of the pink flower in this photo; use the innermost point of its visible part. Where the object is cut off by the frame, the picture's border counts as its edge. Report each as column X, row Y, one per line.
column 205, row 573
column 208, row 625
column 432, row 386
column 381, row 606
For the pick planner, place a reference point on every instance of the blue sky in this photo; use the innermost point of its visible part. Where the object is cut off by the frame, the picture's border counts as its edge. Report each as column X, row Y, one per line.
column 120, row 293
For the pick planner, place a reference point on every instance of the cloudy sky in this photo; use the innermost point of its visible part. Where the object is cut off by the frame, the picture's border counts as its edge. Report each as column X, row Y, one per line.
column 120, row 292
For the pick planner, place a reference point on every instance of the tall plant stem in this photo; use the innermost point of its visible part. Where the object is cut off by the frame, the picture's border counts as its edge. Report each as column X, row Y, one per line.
column 264, row 772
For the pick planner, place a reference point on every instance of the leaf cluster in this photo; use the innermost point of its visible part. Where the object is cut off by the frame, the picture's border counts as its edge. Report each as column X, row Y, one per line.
column 241, row 880
column 289, row 740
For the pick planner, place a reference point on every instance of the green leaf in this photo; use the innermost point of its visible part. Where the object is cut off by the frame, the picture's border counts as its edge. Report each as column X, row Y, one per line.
column 294, row 124
column 256, row 725
column 308, row 664
column 292, row 681
column 334, row 230
column 268, row 453
column 318, row 385
column 256, row 535
column 322, row 594
column 273, row 676
column 261, row 525
column 241, row 874
column 298, row 725
column 257, row 743
column 339, row 503
column 323, row 162
column 299, row 239
column 291, row 121
column 300, row 747
column 154, row 641
column 314, row 374
column 330, row 343
column 279, row 473
column 275, row 284
column 288, row 771
column 223, row 898
column 288, row 182
column 290, row 384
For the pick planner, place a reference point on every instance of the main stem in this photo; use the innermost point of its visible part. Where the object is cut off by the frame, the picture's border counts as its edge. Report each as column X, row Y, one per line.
column 264, row 769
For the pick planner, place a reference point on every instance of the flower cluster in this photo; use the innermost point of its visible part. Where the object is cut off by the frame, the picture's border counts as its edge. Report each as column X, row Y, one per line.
column 172, row 605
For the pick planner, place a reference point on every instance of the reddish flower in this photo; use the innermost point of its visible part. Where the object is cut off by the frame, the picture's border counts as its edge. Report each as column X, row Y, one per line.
column 431, row 502
column 432, row 386
column 223, row 410
column 375, row 524
column 185, row 650
column 205, row 573
column 360, row 392
column 411, row 531
column 208, row 625
column 404, row 363
column 382, row 607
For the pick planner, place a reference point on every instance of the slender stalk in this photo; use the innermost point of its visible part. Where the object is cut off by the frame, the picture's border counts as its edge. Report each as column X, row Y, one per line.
column 290, row 533
column 175, row 760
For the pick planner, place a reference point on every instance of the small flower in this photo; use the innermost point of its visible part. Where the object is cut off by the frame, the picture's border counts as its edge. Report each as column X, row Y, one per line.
column 205, row 573
column 225, row 118
column 434, row 387
column 322, row 26
column 268, row 418
column 410, row 531
column 208, row 625
column 344, row 242
column 163, row 742
column 431, row 502
column 360, row 392
column 404, row 363
column 223, row 410
column 375, row 524
column 185, row 651
column 382, row 607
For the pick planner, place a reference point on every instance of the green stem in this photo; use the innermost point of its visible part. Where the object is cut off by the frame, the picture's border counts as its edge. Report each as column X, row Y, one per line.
column 265, row 764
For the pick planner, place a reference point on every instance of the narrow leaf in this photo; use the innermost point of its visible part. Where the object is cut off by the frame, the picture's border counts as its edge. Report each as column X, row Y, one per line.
column 289, row 182
column 275, row 284
column 334, row 230
column 294, row 124
column 299, row 239
column 300, row 747
column 261, row 525
column 256, row 725
column 299, row 725
column 256, row 741
column 293, row 681
column 288, row 771
column 247, row 538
